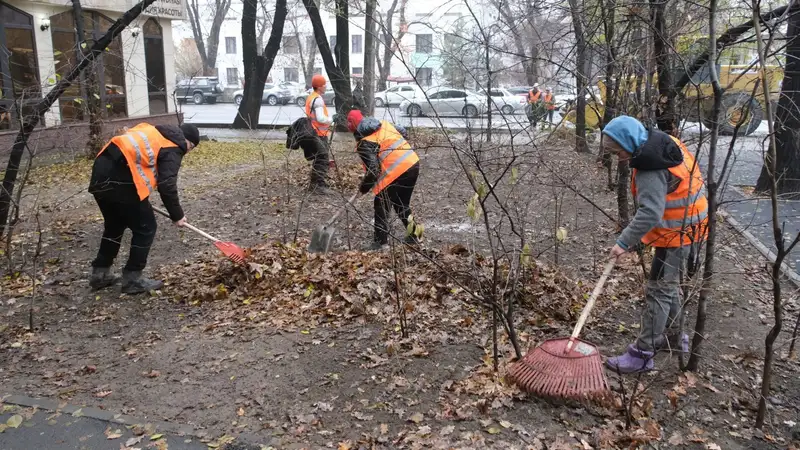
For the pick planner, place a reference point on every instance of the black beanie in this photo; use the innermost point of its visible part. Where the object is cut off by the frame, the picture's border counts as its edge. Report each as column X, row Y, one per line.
column 191, row 133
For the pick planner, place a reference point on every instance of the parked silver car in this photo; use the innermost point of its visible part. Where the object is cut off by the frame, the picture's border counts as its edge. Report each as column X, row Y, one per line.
column 327, row 97
column 445, row 101
column 507, row 102
column 273, row 95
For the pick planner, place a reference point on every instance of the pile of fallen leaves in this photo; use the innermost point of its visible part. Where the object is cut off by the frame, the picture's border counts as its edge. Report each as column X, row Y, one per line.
column 289, row 288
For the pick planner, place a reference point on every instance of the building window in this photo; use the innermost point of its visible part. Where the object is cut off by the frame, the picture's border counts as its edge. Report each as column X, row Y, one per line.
column 20, row 71
column 424, row 76
column 154, row 60
column 105, row 85
column 358, row 71
column 357, row 47
column 332, row 40
column 232, row 76
column 424, row 43
column 291, row 74
column 230, row 45
column 291, row 45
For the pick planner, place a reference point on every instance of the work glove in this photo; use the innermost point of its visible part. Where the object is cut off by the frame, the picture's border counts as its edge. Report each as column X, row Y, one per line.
column 336, row 117
column 364, row 187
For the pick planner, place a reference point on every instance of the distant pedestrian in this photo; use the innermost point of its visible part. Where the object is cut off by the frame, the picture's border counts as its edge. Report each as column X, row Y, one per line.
column 534, row 108
column 550, row 105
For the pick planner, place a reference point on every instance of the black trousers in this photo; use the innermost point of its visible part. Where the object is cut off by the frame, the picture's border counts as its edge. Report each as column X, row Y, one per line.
column 316, row 151
column 398, row 197
column 136, row 216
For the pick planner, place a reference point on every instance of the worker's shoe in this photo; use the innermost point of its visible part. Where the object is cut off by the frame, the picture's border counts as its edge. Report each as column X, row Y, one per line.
column 102, row 278
column 320, row 189
column 375, row 246
column 135, row 283
column 632, row 361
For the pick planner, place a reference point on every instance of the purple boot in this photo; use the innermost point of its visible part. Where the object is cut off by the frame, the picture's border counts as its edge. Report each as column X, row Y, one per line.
column 671, row 344
column 632, row 361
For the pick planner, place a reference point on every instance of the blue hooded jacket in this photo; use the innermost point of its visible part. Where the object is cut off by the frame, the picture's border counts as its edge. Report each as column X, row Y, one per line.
column 626, row 131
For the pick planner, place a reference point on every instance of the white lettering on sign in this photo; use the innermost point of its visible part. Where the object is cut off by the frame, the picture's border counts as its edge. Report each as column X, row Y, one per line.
column 168, row 9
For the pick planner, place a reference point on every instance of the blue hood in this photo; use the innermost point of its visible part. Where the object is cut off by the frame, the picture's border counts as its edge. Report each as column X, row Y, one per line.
column 626, row 131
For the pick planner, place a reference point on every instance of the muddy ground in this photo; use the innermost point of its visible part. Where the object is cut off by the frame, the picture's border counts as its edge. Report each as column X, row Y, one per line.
column 268, row 371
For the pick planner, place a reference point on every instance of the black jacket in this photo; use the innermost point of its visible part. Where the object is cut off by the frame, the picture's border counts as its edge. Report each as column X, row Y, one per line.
column 112, row 178
column 368, row 151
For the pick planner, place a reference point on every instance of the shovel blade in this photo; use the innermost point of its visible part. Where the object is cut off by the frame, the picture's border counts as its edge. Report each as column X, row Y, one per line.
column 321, row 239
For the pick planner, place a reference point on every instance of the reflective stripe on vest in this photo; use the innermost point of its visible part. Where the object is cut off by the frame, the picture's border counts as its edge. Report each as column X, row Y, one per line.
column 685, row 218
column 395, row 155
column 321, row 128
column 140, row 146
column 532, row 98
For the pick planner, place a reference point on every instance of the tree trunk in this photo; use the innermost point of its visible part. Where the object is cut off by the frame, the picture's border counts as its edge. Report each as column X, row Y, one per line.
column 389, row 41
column 340, row 83
column 787, row 163
column 343, row 38
column 30, row 121
column 89, row 89
column 580, row 78
column 369, row 59
column 666, row 119
column 208, row 50
column 257, row 67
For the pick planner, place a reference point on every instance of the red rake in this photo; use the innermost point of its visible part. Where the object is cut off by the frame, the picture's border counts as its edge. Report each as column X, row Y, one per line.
column 229, row 249
column 566, row 367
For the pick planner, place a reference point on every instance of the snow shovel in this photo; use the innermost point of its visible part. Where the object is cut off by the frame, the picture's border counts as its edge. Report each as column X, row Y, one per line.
column 566, row 367
column 229, row 249
column 322, row 236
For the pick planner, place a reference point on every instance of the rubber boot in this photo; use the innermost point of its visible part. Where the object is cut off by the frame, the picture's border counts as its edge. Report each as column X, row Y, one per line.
column 102, row 278
column 135, row 283
column 320, row 189
column 375, row 246
column 671, row 343
column 632, row 361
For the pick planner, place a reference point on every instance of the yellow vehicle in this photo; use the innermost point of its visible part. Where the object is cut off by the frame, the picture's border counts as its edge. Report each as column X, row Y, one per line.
column 738, row 102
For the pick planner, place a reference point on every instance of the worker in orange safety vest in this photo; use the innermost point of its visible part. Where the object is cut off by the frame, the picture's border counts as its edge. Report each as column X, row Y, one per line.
column 672, row 218
column 317, row 149
column 550, row 104
column 533, row 109
column 391, row 171
column 125, row 173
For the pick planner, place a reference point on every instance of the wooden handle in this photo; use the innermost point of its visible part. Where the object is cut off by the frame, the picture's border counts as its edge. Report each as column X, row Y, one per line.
column 598, row 288
column 341, row 210
column 189, row 226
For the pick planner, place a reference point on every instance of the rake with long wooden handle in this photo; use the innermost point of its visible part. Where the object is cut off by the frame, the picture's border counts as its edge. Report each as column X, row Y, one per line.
column 566, row 367
column 229, row 249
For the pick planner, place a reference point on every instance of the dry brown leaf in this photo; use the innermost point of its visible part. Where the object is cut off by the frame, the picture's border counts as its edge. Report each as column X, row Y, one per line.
column 676, row 439
column 103, row 394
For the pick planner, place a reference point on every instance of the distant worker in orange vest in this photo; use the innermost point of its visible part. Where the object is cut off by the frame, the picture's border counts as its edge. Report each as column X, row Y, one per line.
column 317, row 149
column 672, row 218
column 125, row 172
column 533, row 109
column 550, row 104
column 391, row 169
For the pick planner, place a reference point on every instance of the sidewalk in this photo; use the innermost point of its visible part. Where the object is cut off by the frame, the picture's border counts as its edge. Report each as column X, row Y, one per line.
column 750, row 215
column 43, row 424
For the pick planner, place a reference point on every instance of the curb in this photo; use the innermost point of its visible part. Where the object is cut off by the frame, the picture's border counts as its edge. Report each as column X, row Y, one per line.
column 787, row 271
column 99, row 414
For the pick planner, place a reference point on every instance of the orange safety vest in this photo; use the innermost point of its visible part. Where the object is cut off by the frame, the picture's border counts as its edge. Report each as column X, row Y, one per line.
column 140, row 146
column 533, row 98
column 685, row 218
column 395, row 155
column 321, row 128
column 548, row 100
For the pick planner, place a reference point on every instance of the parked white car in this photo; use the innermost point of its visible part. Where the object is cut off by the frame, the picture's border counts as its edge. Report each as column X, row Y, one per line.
column 445, row 101
column 397, row 95
column 506, row 102
column 273, row 95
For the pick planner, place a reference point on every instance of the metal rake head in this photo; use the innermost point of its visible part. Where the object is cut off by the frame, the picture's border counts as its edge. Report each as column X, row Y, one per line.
column 232, row 251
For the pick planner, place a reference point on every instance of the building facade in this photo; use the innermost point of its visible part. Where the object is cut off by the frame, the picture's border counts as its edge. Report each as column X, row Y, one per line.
column 133, row 78
column 417, row 54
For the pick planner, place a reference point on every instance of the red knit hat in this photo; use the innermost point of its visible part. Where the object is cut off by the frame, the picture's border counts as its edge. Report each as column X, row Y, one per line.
column 354, row 118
